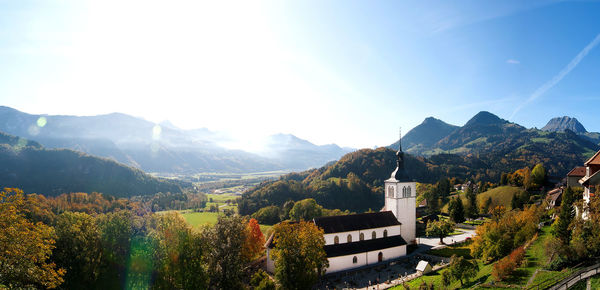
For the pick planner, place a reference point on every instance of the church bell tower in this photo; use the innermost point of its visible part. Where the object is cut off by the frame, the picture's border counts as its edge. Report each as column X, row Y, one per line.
column 401, row 198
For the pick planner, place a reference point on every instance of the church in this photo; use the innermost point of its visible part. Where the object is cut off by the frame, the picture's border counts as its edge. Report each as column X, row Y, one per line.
column 358, row 240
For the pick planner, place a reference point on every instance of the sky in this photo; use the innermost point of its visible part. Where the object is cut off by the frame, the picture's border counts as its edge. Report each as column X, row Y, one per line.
column 341, row 71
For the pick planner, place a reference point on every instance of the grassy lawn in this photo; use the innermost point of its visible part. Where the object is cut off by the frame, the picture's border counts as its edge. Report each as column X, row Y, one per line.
column 197, row 219
column 435, row 279
column 458, row 249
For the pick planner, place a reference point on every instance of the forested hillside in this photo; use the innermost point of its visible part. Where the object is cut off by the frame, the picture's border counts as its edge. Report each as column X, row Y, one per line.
column 27, row 165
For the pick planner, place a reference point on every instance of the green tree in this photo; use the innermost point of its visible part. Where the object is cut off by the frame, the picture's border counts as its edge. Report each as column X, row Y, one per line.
column 441, row 229
column 472, row 211
column 560, row 228
column 462, row 269
column 118, row 231
column 538, row 175
column 285, row 210
column 299, row 256
column 225, row 242
column 78, row 249
column 25, row 247
column 456, row 210
column 306, row 209
column 268, row 215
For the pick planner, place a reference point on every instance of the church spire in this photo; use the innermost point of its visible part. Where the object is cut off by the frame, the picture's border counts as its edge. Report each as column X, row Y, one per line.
column 400, row 173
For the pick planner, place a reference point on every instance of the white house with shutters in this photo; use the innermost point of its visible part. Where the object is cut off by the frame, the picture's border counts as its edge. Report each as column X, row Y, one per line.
column 358, row 240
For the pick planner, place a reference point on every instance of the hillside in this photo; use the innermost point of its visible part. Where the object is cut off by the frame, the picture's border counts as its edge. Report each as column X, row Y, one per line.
column 166, row 148
column 29, row 166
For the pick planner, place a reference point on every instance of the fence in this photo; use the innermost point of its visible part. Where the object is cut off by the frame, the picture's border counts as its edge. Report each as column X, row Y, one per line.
column 576, row 277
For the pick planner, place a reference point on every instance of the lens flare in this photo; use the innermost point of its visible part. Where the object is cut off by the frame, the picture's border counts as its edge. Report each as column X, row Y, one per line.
column 33, row 130
column 156, row 130
column 41, row 122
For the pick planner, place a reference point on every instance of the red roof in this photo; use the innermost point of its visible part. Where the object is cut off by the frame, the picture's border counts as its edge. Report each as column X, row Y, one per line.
column 577, row 171
column 595, row 160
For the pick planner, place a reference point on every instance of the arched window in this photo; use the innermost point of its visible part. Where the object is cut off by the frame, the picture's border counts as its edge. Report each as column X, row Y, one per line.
column 361, row 237
column 390, row 191
column 404, row 191
column 373, row 235
column 354, row 260
column 409, row 191
column 380, row 257
column 349, row 238
column 385, row 233
column 336, row 240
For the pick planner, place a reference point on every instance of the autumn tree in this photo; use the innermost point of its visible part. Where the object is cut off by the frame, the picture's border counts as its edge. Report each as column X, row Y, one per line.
column 538, row 175
column 299, row 254
column 25, row 247
column 560, row 228
column 441, row 229
column 178, row 253
column 224, row 254
column 471, row 210
column 255, row 240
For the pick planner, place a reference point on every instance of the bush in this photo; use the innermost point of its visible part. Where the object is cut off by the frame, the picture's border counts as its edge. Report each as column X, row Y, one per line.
column 507, row 265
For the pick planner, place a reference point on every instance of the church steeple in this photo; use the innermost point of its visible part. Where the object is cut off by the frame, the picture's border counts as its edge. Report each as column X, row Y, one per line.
column 400, row 173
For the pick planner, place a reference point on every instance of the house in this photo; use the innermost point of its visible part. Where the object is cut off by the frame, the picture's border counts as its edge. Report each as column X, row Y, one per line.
column 358, row 240
column 575, row 175
column 553, row 197
column 591, row 179
column 423, row 267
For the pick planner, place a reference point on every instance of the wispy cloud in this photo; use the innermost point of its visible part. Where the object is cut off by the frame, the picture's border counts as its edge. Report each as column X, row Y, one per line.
column 513, row 61
column 557, row 78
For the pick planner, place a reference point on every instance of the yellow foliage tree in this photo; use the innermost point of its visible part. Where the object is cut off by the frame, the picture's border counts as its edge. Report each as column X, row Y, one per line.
column 25, row 247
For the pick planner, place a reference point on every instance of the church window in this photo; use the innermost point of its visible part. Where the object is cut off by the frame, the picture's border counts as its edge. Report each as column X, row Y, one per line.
column 390, row 191
column 385, row 233
column 404, row 191
column 362, row 237
column 336, row 240
column 408, row 191
column 373, row 235
column 354, row 260
column 349, row 238
column 380, row 257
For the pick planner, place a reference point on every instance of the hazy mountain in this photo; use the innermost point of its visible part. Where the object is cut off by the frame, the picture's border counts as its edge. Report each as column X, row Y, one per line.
column 159, row 148
column 33, row 168
column 425, row 135
column 295, row 153
column 560, row 124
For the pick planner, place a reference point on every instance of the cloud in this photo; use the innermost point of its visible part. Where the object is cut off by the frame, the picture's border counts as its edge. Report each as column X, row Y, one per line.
column 513, row 61
column 557, row 78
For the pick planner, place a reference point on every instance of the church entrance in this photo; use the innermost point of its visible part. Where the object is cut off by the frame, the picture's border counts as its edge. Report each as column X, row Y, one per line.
column 380, row 257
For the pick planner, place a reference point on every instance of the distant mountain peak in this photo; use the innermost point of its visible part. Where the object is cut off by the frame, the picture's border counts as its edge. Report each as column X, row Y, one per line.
column 561, row 124
column 485, row 118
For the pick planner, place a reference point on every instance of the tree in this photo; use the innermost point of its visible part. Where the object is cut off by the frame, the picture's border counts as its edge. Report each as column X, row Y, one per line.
column 225, row 242
column 472, row 211
column 178, row 254
column 485, row 207
column 299, row 254
column 285, row 210
column 560, row 228
column 456, row 210
column 462, row 269
column 306, row 209
column 25, row 247
column 441, row 229
column 538, row 175
column 78, row 249
column 504, row 179
column 268, row 215
column 255, row 240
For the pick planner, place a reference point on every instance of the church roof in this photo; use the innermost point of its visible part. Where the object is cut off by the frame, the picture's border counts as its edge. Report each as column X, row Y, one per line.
column 364, row 246
column 355, row 222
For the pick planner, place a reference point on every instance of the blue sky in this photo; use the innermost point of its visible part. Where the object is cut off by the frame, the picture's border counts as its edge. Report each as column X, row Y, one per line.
column 345, row 72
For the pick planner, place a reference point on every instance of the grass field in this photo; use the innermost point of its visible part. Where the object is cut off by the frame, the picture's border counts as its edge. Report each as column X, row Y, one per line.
column 501, row 195
column 197, row 219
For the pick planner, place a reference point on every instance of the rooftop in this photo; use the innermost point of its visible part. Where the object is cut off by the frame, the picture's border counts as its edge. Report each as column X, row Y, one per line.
column 356, row 222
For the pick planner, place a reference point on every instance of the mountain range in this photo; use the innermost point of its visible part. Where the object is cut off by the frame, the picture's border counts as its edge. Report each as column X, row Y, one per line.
column 486, row 133
column 163, row 147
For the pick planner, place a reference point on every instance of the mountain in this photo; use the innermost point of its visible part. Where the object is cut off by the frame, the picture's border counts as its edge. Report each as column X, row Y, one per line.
column 425, row 135
column 159, row 148
column 296, row 153
column 560, row 124
column 28, row 165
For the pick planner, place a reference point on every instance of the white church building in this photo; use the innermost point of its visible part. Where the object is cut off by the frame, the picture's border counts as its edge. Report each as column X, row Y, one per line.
column 357, row 240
